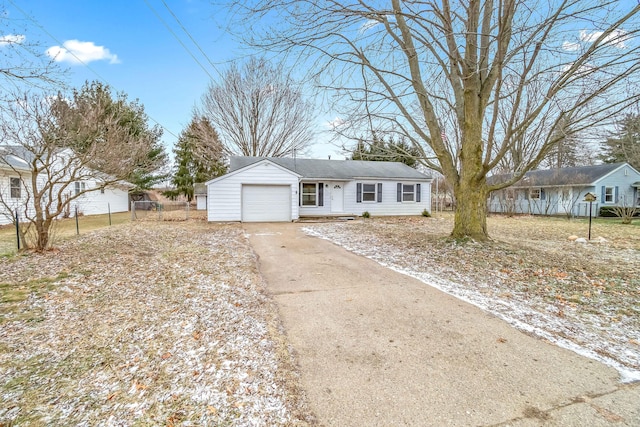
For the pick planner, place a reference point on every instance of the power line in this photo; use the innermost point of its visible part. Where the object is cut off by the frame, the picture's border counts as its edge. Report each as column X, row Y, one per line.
column 32, row 19
column 191, row 37
column 178, row 39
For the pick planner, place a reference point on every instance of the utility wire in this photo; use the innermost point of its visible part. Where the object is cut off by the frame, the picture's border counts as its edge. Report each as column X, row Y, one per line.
column 191, row 37
column 178, row 39
column 32, row 19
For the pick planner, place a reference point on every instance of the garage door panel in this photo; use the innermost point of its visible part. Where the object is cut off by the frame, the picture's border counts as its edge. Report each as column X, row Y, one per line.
column 266, row 203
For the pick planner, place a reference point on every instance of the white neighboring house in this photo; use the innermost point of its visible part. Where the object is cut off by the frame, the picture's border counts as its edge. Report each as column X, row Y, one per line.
column 15, row 172
column 258, row 189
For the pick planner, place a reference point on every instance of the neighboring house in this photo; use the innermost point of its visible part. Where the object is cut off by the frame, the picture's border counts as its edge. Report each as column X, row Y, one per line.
column 284, row 189
column 200, row 194
column 14, row 195
column 562, row 191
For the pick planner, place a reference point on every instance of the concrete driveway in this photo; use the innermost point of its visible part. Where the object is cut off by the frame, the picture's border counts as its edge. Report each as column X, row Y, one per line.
column 377, row 348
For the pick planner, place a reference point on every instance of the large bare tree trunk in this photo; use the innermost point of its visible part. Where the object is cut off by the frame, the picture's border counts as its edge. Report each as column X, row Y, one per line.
column 471, row 211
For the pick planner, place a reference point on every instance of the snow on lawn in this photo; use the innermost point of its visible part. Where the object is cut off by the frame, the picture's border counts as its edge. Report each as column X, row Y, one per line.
column 468, row 272
column 143, row 324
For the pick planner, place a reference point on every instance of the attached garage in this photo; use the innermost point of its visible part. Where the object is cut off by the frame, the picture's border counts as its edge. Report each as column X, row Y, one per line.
column 266, row 203
column 260, row 192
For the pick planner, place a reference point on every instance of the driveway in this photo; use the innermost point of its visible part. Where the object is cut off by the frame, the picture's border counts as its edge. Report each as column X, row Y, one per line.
column 377, row 348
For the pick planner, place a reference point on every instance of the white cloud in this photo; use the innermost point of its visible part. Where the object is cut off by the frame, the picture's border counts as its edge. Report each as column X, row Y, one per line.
column 77, row 52
column 571, row 47
column 617, row 38
column 336, row 123
column 11, row 39
column 368, row 25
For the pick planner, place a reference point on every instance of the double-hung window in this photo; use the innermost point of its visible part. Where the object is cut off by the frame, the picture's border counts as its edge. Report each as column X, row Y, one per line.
column 609, row 195
column 534, row 194
column 368, row 192
column 309, row 194
column 80, row 187
column 16, row 188
column 408, row 192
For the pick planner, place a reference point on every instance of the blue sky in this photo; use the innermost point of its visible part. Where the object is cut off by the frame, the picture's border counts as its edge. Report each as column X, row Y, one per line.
column 130, row 48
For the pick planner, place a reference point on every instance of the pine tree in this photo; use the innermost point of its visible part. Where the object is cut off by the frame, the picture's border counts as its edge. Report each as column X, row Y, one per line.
column 198, row 157
column 624, row 143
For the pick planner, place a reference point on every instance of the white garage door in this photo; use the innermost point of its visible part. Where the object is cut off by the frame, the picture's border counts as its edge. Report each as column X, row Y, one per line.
column 266, row 203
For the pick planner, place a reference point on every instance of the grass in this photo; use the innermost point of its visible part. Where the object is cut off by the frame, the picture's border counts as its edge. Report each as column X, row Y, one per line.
column 62, row 229
column 169, row 327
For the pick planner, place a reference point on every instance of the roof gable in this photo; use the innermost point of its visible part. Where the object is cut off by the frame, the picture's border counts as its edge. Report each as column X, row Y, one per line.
column 336, row 169
column 240, row 168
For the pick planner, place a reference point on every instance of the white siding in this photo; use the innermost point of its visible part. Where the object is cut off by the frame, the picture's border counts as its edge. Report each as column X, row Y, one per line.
column 9, row 205
column 95, row 202
column 224, row 195
column 389, row 204
column 324, row 210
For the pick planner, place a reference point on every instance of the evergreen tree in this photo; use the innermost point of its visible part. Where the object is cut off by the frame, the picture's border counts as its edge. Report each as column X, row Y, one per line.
column 379, row 150
column 94, row 114
column 198, row 156
column 624, row 143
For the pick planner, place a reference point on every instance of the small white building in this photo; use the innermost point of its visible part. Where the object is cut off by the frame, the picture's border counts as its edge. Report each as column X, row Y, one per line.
column 258, row 189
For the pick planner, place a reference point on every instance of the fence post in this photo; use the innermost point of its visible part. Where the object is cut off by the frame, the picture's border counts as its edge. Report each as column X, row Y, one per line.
column 77, row 225
column 18, row 229
column 133, row 210
column 109, row 209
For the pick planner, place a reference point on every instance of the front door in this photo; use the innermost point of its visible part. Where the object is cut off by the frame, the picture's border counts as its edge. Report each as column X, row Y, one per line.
column 337, row 197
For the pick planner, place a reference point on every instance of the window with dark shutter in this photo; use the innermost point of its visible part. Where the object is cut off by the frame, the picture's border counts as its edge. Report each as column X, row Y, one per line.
column 359, row 192
column 320, row 194
column 379, row 192
column 399, row 193
column 418, row 195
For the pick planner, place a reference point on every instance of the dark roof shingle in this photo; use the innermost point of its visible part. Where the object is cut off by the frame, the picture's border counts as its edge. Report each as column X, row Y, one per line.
column 335, row 169
column 580, row 175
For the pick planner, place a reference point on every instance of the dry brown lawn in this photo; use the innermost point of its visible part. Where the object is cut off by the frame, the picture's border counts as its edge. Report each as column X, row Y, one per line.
column 145, row 323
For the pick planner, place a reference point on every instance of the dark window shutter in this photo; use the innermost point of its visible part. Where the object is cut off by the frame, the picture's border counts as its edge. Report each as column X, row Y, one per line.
column 359, row 192
column 602, row 194
column 320, row 194
column 300, row 194
column 616, row 196
column 379, row 192
column 399, row 192
column 418, row 192
column 542, row 195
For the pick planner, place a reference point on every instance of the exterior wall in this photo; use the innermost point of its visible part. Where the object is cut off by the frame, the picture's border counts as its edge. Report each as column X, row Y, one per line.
column 324, row 210
column 90, row 203
column 8, row 205
column 95, row 202
column 224, row 195
column 556, row 201
column 621, row 181
column 389, row 204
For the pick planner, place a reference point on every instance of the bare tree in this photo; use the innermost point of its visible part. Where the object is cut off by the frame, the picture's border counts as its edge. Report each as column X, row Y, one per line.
column 465, row 80
column 259, row 111
column 22, row 59
column 35, row 150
